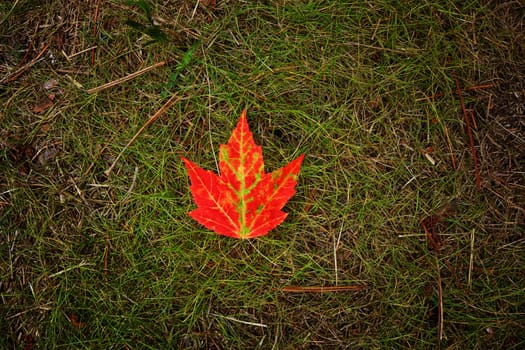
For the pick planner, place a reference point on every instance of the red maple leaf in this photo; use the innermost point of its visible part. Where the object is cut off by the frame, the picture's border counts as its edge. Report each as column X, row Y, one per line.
column 244, row 201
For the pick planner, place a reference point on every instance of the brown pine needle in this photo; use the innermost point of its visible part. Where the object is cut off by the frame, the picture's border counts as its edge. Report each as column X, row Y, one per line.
column 467, row 116
column 314, row 289
column 469, row 88
column 126, row 78
column 470, row 118
column 154, row 117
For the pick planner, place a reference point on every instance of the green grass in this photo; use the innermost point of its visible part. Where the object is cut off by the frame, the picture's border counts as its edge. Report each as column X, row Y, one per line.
column 343, row 83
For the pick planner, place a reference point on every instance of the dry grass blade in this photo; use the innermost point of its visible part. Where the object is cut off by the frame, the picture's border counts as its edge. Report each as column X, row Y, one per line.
column 106, row 255
column 450, row 148
column 471, row 259
column 470, row 119
column 314, row 289
column 256, row 324
column 432, row 225
column 440, row 305
column 126, row 78
column 95, row 25
column 164, row 108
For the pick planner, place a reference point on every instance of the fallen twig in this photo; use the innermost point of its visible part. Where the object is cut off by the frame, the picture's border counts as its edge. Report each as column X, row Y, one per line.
column 126, row 78
column 154, row 117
